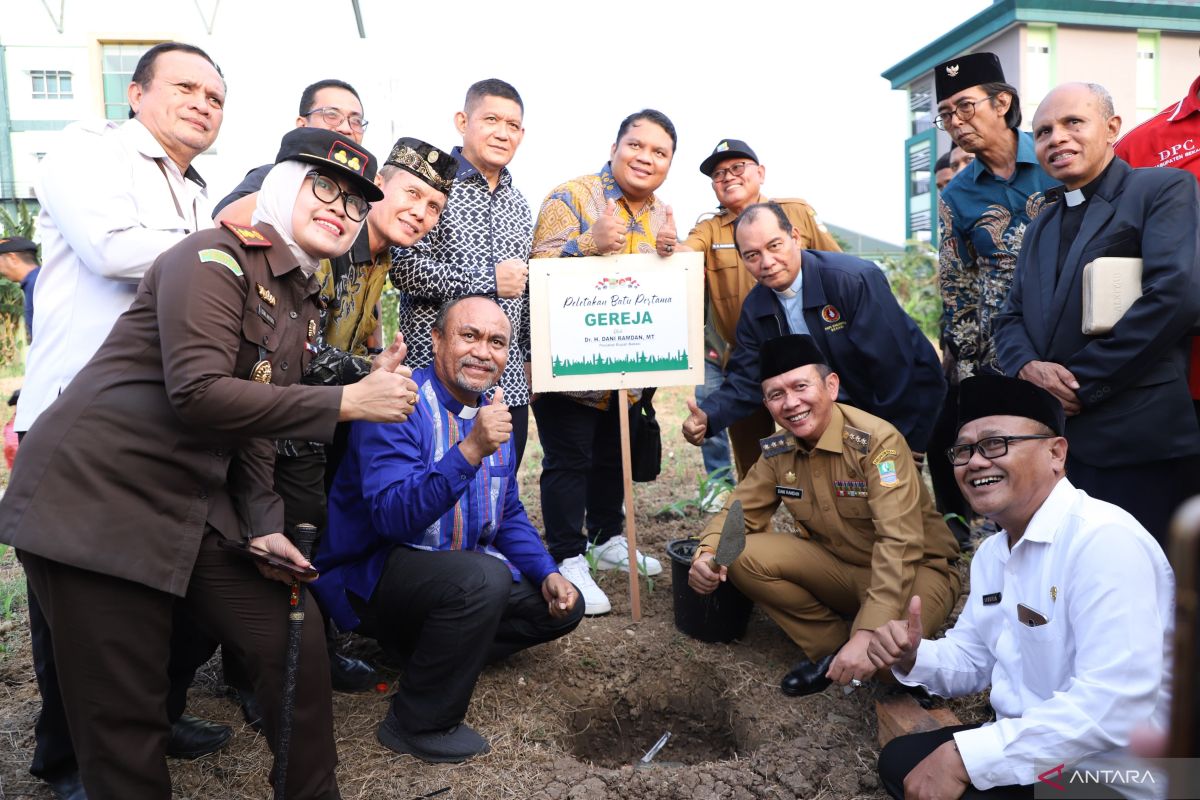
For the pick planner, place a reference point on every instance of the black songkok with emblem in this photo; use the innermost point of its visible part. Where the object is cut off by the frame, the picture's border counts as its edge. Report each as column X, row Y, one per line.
column 340, row 156
column 435, row 167
column 997, row 395
column 786, row 353
column 951, row 77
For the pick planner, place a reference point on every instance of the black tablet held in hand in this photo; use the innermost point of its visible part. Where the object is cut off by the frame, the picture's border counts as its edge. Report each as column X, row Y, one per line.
column 266, row 559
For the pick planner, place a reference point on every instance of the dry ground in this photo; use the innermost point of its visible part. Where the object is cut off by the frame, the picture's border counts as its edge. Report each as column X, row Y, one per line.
column 566, row 720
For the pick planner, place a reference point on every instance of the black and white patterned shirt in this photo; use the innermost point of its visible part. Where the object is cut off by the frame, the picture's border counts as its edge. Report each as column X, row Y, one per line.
column 479, row 229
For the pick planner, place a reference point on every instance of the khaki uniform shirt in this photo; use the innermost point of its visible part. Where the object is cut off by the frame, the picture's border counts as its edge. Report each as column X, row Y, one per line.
column 726, row 277
column 860, row 496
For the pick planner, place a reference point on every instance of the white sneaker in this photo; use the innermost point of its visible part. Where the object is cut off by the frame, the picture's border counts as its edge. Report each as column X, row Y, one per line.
column 576, row 570
column 614, row 554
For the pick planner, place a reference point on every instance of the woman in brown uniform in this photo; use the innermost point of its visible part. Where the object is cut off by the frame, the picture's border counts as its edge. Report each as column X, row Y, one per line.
column 162, row 446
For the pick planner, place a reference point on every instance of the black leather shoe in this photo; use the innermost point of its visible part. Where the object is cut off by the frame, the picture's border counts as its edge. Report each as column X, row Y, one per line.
column 807, row 677
column 251, row 712
column 67, row 787
column 192, row 737
column 350, row 674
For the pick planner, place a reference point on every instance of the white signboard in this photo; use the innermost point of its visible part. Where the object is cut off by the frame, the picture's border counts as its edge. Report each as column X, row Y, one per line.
column 612, row 322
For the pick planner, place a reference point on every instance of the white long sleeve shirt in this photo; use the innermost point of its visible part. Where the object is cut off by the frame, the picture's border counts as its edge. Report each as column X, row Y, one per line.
column 1072, row 690
column 107, row 212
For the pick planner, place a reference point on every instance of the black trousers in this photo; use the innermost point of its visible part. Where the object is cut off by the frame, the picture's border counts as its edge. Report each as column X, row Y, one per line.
column 520, row 432
column 902, row 754
column 581, row 461
column 450, row 613
column 53, row 753
column 112, row 639
column 1151, row 492
column 945, row 489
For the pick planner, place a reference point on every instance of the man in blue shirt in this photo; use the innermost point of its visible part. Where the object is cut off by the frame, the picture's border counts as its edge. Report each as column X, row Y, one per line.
column 982, row 213
column 428, row 547
column 18, row 263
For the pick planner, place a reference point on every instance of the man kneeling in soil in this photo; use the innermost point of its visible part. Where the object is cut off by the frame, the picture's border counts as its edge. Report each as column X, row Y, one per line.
column 429, row 549
column 868, row 536
column 1069, row 620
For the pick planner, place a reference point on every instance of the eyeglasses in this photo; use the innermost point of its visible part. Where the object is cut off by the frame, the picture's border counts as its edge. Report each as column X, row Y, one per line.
column 333, row 117
column 732, row 171
column 963, row 109
column 326, row 190
column 990, row 448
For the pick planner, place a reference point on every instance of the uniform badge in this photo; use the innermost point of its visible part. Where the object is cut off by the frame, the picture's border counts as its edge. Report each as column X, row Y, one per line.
column 312, row 329
column 789, row 491
column 991, row 599
column 265, row 315
column 1053, row 594
column 347, row 156
column 884, row 455
column 850, row 488
column 265, row 294
column 952, row 70
column 777, row 445
column 790, row 477
column 249, row 237
column 261, row 372
column 222, row 258
column 859, row 440
column 887, row 473
column 830, row 314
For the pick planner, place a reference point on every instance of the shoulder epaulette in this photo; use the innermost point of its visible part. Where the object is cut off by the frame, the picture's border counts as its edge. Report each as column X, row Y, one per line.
column 858, row 439
column 248, row 236
column 797, row 200
column 777, row 445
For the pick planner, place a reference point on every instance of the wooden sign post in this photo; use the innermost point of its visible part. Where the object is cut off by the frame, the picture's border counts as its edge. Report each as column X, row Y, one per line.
column 617, row 323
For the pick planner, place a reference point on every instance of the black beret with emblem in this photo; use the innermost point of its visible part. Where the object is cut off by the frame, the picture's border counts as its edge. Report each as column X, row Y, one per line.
column 997, row 395
column 435, row 167
column 16, row 244
column 338, row 155
column 951, row 77
column 786, row 353
column 726, row 148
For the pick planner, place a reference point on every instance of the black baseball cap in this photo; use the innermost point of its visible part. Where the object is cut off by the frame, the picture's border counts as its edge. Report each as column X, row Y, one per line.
column 339, row 154
column 727, row 148
column 17, row 244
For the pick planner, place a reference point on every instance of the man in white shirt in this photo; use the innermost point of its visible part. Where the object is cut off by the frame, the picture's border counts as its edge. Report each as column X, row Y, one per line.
column 113, row 197
column 1069, row 621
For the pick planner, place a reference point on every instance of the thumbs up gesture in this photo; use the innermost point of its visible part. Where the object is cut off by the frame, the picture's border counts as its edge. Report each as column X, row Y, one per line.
column 695, row 427
column 492, row 428
column 609, row 230
column 667, row 237
column 896, row 643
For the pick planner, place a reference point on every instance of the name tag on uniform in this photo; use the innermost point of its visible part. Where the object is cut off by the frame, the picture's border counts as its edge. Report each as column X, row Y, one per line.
column 720, row 246
column 991, row 599
column 789, row 491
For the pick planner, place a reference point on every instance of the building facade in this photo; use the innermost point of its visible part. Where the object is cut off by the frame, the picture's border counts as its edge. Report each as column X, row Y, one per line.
column 1144, row 53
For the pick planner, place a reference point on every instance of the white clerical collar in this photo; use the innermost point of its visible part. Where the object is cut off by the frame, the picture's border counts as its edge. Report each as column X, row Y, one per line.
column 794, row 289
column 467, row 412
column 1075, row 197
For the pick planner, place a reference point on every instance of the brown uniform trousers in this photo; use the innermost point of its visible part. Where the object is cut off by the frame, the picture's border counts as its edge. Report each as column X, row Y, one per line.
column 125, row 485
column 868, row 536
column 727, row 282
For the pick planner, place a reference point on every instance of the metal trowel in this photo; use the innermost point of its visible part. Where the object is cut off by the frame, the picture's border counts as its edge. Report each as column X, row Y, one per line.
column 733, row 536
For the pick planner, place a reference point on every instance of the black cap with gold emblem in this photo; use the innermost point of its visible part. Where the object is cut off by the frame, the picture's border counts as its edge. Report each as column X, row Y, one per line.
column 341, row 155
column 435, row 167
column 951, row 77
column 726, row 148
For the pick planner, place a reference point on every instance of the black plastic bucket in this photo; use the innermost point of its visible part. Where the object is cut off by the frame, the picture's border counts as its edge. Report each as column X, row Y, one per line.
column 718, row 617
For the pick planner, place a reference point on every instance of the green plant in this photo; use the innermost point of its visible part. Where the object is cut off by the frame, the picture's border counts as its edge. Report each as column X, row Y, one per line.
column 708, row 488
column 914, row 280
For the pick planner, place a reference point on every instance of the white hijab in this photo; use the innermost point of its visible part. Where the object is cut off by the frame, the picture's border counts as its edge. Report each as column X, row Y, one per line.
column 276, row 202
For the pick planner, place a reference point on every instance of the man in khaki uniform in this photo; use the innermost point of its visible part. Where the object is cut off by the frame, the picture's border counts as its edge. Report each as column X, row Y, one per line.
column 737, row 178
column 868, row 539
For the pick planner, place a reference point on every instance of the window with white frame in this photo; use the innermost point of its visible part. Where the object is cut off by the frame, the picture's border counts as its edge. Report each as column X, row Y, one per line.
column 51, row 84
